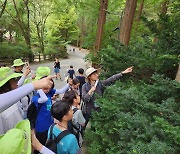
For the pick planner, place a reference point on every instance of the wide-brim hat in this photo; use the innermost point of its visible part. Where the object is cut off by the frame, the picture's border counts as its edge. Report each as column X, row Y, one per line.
column 17, row 62
column 17, row 140
column 7, row 74
column 42, row 72
column 90, row 70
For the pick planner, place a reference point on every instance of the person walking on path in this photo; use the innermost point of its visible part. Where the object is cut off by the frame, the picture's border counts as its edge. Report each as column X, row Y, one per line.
column 57, row 68
column 71, row 72
column 95, row 86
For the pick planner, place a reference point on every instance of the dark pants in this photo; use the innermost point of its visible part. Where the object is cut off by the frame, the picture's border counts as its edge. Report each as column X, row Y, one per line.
column 87, row 117
column 42, row 137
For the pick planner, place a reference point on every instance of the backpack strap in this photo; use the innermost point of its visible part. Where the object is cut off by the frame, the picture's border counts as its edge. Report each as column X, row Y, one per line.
column 61, row 135
column 51, row 130
column 74, row 110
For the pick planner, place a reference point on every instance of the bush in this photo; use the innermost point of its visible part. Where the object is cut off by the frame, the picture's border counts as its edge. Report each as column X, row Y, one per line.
column 11, row 51
column 137, row 118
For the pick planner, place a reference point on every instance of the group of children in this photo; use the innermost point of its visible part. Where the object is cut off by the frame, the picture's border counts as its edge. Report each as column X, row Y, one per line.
column 62, row 111
column 52, row 118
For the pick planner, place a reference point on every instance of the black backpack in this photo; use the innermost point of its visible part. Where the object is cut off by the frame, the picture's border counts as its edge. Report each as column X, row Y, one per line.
column 53, row 140
column 28, row 102
column 76, row 129
column 32, row 113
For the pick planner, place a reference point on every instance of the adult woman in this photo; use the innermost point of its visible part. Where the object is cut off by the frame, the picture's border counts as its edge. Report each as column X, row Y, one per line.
column 57, row 68
column 95, row 86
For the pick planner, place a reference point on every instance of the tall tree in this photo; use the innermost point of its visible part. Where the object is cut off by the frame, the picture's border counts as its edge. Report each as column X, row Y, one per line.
column 40, row 12
column 127, row 21
column 22, row 18
column 101, row 22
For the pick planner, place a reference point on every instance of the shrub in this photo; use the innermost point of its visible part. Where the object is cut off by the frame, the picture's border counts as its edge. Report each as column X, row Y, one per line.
column 137, row 117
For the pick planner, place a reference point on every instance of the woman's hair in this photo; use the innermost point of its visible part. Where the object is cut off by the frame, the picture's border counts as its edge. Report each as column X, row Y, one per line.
column 59, row 109
column 5, row 88
column 69, row 96
column 75, row 81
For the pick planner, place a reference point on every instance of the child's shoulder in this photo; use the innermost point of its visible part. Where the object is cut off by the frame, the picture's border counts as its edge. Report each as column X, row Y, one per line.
column 68, row 137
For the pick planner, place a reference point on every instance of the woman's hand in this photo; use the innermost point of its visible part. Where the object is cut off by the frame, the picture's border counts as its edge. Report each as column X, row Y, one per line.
column 27, row 71
column 128, row 70
column 93, row 88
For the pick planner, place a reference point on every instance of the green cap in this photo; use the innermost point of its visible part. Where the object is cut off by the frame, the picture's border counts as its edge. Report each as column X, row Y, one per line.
column 18, row 62
column 17, row 140
column 6, row 74
column 42, row 71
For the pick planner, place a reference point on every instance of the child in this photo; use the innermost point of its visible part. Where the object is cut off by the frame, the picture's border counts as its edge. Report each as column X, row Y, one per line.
column 71, row 72
column 43, row 102
column 63, row 113
column 81, row 79
column 73, row 99
column 75, row 85
column 78, row 122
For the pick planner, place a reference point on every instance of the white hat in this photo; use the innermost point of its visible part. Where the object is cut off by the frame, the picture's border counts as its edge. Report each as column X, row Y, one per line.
column 90, row 70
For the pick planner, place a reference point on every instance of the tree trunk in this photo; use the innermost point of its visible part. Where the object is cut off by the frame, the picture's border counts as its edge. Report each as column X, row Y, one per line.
column 82, row 32
column 126, row 26
column 178, row 75
column 140, row 11
column 101, row 22
column 164, row 7
column 25, row 27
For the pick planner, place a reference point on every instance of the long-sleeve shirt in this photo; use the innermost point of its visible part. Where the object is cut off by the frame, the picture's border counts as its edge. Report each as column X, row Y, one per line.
column 90, row 99
column 21, row 81
column 12, row 97
column 45, row 150
column 10, row 115
column 43, row 102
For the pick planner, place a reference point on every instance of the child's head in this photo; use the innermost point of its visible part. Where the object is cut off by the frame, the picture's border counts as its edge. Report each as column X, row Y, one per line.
column 71, row 67
column 71, row 97
column 62, row 111
column 76, row 83
column 81, row 71
column 46, row 90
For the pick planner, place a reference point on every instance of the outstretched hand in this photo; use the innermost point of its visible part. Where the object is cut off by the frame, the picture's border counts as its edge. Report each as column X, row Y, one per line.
column 128, row 70
column 43, row 83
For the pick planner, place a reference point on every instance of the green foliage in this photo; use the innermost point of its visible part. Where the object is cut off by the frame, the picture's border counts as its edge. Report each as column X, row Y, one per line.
column 10, row 51
column 145, row 57
column 137, row 118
